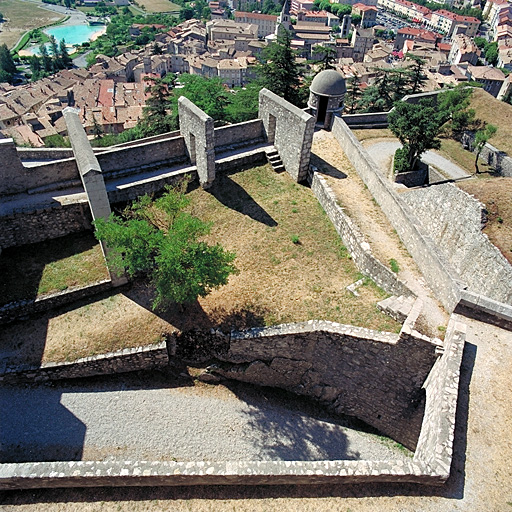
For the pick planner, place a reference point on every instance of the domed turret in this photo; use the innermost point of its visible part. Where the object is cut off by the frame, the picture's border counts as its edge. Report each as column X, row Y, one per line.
column 327, row 92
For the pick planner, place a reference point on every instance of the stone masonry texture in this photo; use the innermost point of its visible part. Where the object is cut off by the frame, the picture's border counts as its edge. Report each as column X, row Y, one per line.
column 290, row 129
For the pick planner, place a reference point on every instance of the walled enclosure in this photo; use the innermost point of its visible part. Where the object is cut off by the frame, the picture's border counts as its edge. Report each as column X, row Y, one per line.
column 316, row 340
column 268, row 353
column 290, row 130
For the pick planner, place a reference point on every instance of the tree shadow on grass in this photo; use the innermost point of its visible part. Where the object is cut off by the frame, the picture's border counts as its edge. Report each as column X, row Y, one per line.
column 326, row 168
column 22, row 267
column 232, row 195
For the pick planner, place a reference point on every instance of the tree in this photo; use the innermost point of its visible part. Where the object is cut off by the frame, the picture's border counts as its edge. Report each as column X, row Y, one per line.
column 482, row 135
column 279, row 71
column 353, row 94
column 97, row 129
column 159, row 241
column 417, row 76
column 244, row 104
column 157, row 114
column 209, row 94
column 46, row 59
column 326, row 55
column 64, row 57
column 453, row 109
column 7, row 66
column 491, row 53
column 416, row 126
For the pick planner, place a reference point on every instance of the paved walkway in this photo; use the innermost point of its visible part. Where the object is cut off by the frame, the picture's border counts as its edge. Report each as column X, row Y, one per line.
column 382, row 153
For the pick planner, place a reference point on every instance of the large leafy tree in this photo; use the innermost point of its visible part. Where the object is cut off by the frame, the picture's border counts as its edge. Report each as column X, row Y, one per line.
column 244, row 104
column 158, row 240
column 417, row 127
column 209, row 94
column 482, row 135
column 279, row 72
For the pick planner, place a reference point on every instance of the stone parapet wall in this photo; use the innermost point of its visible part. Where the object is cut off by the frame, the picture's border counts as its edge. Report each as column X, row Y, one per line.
column 435, row 445
column 434, row 266
column 454, row 220
column 43, row 224
column 14, row 310
column 429, row 466
column 485, row 309
column 139, row 157
column 241, row 134
column 354, row 240
column 127, row 360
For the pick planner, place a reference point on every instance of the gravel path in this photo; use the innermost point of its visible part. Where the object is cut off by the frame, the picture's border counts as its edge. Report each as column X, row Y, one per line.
column 382, row 153
column 130, row 419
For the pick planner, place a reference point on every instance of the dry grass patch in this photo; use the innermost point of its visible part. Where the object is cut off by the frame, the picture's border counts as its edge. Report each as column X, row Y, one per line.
column 159, row 5
column 496, row 194
column 292, row 264
column 22, row 16
column 38, row 269
column 370, row 133
column 495, row 112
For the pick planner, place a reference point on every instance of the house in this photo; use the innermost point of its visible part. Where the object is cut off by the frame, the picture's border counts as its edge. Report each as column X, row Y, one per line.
column 368, row 14
column 445, row 22
column 266, row 23
column 463, row 50
column 491, row 78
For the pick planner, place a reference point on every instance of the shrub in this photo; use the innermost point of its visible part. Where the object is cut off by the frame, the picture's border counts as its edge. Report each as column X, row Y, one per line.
column 401, row 163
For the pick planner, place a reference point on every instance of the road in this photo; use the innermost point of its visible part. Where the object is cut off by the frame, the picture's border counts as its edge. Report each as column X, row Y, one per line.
column 382, row 152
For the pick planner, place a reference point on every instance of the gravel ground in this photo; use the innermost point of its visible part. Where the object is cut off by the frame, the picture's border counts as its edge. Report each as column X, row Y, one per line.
column 125, row 418
column 382, row 153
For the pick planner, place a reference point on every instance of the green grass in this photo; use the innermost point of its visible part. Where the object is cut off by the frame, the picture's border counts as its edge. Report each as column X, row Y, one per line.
column 394, row 265
column 38, row 269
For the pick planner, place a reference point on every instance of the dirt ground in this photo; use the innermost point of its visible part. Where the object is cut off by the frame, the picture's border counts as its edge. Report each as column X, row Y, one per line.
column 22, row 16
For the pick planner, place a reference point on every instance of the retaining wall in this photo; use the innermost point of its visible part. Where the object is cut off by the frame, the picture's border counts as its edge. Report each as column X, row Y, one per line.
column 430, row 464
column 354, row 240
column 44, row 224
column 435, row 268
column 13, row 310
column 454, row 220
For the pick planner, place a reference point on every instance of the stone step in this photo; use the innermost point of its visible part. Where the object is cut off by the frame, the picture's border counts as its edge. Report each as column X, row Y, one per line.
column 397, row 307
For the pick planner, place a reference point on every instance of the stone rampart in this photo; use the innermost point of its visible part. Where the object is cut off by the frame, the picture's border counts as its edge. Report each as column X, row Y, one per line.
column 435, row 444
column 454, row 220
column 435, row 268
column 37, row 225
column 354, row 240
column 136, row 158
column 44, row 153
column 15, row 178
column 131, row 359
column 236, row 135
column 290, row 130
column 14, row 310
column 373, row 376
column 268, row 350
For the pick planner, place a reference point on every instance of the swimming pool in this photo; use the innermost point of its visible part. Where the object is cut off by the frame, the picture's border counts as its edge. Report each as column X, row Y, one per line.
column 74, row 34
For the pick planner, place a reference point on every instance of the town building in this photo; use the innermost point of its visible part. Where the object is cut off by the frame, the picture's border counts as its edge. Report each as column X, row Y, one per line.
column 266, row 23
column 463, row 51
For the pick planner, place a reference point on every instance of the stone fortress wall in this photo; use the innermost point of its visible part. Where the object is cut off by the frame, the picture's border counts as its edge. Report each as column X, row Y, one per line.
column 324, row 383
column 454, row 220
column 439, row 272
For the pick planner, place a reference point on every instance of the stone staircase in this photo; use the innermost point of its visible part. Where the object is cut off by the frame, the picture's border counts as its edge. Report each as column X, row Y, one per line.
column 275, row 160
column 397, row 307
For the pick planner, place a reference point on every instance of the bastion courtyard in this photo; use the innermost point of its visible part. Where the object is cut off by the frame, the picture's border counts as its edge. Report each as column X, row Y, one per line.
column 450, row 297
